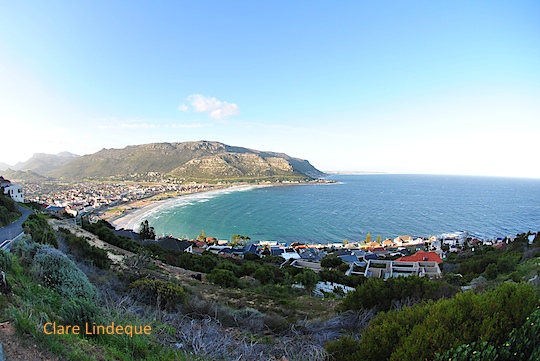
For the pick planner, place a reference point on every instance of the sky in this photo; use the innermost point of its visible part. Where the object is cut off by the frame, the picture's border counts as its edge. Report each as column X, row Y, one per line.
column 435, row 87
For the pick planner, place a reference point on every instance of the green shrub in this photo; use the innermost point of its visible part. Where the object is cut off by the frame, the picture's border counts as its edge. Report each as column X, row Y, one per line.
column 5, row 260
column 375, row 292
column 59, row 273
column 38, row 227
column 8, row 210
column 105, row 232
column 80, row 248
column 223, row 277
column 307, row 278
column 165, row 295
column 25, row 249
column 342, row 349
column 331, row 261
column 422, row 331
column 523, row 344
column 79, row 311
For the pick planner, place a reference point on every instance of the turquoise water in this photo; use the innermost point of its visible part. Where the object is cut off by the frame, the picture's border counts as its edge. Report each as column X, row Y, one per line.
column 383, row 204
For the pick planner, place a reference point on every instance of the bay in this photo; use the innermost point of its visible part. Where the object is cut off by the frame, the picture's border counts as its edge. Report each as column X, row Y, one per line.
column 381, row 204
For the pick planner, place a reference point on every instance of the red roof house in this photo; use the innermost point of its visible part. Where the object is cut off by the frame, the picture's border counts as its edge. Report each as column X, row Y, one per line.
column 421, row 256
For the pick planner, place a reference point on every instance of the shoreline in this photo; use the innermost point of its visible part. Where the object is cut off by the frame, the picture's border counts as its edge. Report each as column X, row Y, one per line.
column 133, row 213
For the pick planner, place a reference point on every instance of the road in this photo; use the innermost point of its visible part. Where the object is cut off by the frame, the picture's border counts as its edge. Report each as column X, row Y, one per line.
column 14, row 229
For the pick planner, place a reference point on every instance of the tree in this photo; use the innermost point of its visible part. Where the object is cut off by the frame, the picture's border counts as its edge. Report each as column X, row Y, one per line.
column 239, row 240
column 146, row 232
column 331, row 261
column 307, row 278
column 202, row 236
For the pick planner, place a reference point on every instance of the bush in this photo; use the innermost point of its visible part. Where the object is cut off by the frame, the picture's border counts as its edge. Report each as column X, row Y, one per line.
column 38, row 227
column 105, row 232
column 331, row 261
column 342, row 349
column 59, row 273
column 165, row 295
column 8, row 210
column 307, row 278
column 79, row 311
column 80, row 248
column 223, row 277
column 383, row 295
column 523, row 344
column 421, row 331
column 5, row 260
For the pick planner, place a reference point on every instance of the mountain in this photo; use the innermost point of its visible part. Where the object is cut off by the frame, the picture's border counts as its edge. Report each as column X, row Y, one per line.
column 22, row 175
column 43, row 163
column 201, row 160
column 4, row 166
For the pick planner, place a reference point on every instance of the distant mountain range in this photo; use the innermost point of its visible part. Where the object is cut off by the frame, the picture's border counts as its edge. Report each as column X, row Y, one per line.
column 197, row 161
column 23, row 175
column 4, row 166
column 41, row 163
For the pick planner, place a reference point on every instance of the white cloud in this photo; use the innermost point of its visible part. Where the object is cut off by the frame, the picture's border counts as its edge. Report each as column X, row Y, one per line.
column 217, row 109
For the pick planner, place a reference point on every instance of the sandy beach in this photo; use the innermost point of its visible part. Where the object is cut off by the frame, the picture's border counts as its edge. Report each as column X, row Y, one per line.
column 130, row 216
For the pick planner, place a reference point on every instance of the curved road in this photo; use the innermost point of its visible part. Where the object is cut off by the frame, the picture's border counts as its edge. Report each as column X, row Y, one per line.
column 14, row 229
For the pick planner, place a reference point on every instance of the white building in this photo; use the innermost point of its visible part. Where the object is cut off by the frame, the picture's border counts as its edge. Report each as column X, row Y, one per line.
column 13, row 190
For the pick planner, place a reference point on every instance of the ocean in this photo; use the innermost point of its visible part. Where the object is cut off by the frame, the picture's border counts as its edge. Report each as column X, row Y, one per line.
column 388, row 205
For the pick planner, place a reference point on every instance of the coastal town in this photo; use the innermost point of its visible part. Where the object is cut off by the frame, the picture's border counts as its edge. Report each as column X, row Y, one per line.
column 88, row 197
column 402, row 256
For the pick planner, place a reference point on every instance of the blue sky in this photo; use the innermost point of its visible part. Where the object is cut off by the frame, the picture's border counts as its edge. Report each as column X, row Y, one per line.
column 392, row 86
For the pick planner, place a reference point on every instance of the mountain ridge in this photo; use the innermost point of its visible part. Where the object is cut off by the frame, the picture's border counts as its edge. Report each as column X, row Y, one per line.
column 197, row 160
column 43, row 163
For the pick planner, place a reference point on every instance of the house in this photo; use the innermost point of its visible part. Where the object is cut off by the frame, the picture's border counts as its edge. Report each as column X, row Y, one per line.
column 314, row 266
column 286, row 252
column 217, row 249
column 421, row 256
column 4, row 182
column 373, row 245
column 386, row 269
column 172, row 244
column 15, row 191
column 312, row 254
column 55, row 210
column 349, row 258
column 402, row 240
column 387, row 243
column 129, row 233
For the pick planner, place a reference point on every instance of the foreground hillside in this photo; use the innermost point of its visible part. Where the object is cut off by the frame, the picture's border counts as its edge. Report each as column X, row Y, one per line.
column 226, row 308
column 200, row 161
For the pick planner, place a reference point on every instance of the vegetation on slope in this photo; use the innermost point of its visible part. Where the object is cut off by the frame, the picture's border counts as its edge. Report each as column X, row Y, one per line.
column 252, row 312
column 8, row 210
column 487, row 323
column 421, row 331
column 189, row 319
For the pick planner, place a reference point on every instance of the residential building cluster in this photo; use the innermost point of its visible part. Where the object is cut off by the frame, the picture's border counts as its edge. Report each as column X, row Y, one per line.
column 85, row 197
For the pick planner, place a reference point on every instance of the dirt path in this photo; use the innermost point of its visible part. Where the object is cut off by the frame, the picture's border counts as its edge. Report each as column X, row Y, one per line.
column 22, row 348
column 117, row 254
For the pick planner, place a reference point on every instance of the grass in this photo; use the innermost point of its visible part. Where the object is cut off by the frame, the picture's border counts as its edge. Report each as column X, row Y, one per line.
column 31, row 305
